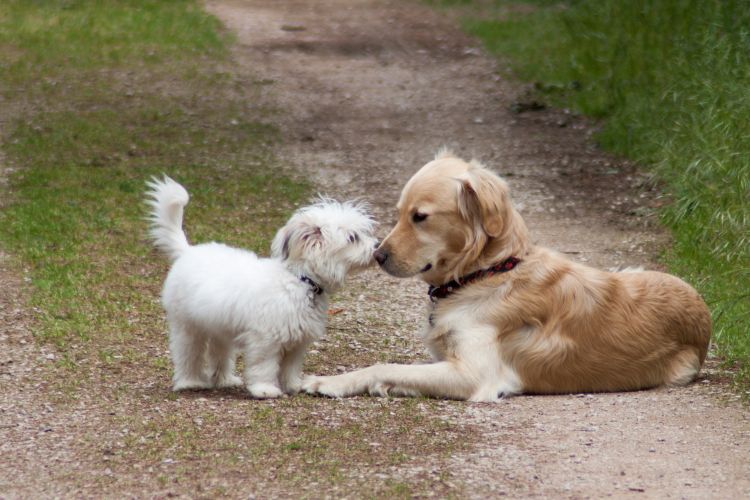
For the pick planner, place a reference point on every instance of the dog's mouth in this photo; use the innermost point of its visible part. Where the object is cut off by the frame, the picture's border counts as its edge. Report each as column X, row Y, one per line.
column 426, row 268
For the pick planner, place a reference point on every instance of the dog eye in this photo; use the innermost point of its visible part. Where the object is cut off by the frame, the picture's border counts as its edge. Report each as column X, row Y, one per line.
column 418, row 217
column 354, row 237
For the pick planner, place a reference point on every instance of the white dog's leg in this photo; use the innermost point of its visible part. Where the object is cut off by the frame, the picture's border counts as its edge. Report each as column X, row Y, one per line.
column 262, row 367
column 441, row 379
column 291, row 368
column 187, row 348
column 221, row 357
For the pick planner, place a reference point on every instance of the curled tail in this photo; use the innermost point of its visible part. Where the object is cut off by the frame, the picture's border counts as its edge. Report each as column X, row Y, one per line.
column 167, row 200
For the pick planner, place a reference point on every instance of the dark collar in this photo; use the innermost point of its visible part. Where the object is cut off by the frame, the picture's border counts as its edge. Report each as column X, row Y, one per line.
column 442, row 291
column 317, row 289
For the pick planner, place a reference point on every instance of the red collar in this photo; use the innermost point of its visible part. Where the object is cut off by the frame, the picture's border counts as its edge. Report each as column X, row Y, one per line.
column 442, row 291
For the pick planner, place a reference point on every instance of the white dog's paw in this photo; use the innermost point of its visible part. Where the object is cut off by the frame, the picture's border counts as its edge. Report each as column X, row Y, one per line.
column 264, row 390
column 190, row 384
column 229, row 381
column 326, row 386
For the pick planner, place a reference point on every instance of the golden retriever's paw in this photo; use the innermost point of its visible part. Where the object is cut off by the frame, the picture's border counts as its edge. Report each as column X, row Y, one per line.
column 333, row 386
column 310, row 384
column 491, row 394
column 313, row 384
column 484, row 398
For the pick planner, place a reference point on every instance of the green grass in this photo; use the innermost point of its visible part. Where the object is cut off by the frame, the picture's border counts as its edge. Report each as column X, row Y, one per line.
column 102, row 96
column 671, row 81
column 54, row 34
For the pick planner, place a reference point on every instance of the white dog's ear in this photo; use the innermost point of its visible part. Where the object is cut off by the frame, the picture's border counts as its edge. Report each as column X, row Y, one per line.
column 295, row 237
column 311, row 236
column 280, row 244
column 483, row 198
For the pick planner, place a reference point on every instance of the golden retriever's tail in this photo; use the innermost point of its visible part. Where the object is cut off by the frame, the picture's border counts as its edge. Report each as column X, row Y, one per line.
column 167, row 200
column 685, row 366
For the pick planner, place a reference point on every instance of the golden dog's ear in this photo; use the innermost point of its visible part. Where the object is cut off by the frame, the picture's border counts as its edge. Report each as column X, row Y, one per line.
column 444, row 152
column 482, row 198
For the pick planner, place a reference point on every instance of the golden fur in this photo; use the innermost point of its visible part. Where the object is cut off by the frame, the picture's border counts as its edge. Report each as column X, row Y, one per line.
column 548, row 326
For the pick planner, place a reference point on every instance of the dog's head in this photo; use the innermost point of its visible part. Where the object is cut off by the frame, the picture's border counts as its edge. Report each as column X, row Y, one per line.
column 454, row 217
column 327, row 240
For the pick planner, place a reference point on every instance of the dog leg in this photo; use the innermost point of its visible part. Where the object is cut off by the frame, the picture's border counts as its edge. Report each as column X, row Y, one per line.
column 493, row 392
column 503, row 383
column 291, row 368
column 221, row 358
column 262, row 366
column 187, row 348
column 442, row 379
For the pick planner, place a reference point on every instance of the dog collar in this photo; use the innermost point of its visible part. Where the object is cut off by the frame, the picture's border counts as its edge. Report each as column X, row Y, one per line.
column 317, row 289
column 442, row 291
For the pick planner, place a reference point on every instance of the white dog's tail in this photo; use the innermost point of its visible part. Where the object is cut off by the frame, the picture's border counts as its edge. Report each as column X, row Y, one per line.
column 167, row 200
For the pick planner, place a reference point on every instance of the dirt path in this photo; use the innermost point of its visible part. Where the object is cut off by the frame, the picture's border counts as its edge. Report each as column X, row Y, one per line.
column 367, row 91
column 370, row 90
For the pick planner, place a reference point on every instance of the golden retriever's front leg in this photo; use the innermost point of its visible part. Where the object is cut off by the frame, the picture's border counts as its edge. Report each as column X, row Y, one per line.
column 442, row 380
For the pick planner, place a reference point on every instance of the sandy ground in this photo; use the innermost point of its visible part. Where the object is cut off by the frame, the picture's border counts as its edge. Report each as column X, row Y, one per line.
column 367, row 92
column 372, row 89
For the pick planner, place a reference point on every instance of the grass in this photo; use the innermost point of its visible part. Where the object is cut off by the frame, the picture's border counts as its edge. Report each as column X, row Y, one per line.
column 106, row 95
column 670, row 80
column 45, row 37
column 98, row 97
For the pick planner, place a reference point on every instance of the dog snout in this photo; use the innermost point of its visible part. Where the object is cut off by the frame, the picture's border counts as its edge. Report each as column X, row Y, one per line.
column 380, row 256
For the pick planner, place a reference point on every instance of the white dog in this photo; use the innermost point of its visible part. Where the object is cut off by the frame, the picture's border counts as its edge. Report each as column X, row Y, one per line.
column 219, row 299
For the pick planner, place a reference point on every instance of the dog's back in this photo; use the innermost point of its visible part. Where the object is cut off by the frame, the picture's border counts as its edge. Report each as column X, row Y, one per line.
column 600, row 331
column 225, row 291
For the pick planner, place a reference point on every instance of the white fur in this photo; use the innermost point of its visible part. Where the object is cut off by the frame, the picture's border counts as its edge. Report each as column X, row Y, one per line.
column 486, row 378
column 220, row 299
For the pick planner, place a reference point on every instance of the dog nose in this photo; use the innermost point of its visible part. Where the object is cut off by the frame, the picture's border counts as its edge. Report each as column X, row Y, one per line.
column 380, row 256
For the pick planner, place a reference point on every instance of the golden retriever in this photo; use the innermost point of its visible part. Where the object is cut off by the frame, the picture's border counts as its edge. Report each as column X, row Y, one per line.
column 508, row 317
